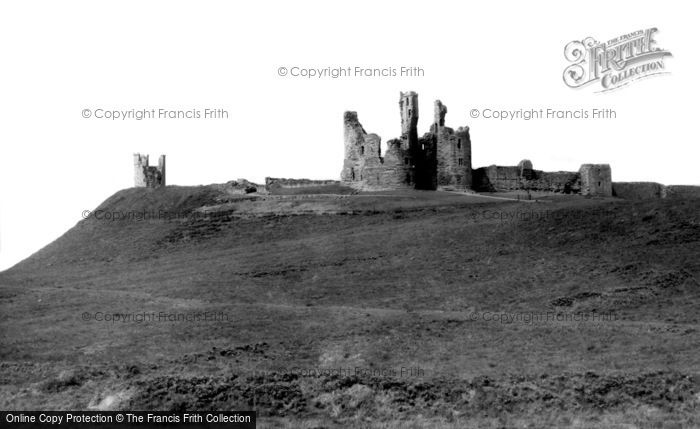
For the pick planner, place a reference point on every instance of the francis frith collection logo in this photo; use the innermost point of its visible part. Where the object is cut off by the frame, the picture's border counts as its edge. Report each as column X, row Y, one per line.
column 615, row 63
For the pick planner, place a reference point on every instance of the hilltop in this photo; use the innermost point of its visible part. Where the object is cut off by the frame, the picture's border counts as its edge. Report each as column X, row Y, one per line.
column 443, row 285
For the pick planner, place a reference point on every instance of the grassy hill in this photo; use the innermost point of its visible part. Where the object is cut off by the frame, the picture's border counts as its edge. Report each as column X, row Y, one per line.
column 441, row 309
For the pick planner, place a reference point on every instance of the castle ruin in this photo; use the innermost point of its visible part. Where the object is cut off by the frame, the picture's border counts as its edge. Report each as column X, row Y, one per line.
column 441, row 160
column 146, row 176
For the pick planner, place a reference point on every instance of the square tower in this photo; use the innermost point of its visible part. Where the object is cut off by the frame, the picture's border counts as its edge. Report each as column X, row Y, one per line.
column 146, row 176
column 596, row 180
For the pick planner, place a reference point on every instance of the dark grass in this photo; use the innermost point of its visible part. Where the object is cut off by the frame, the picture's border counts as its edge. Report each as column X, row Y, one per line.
column 394, row 282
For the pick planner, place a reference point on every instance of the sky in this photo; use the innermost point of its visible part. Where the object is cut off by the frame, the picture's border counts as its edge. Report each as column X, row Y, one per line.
column 63, row 59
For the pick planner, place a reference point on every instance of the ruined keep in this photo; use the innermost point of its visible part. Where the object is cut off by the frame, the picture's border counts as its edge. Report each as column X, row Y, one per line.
column 148, row 176
column 440, row 159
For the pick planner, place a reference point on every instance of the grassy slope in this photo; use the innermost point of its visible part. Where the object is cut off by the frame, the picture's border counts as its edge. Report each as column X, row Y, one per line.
column 395, row 284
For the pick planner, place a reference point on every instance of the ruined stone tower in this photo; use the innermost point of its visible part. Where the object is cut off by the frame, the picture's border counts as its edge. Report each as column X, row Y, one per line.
column 440, row 158
column 364, row 167
column 596, row 180
column 454, row 152
column 408, row 107
column 147, row 176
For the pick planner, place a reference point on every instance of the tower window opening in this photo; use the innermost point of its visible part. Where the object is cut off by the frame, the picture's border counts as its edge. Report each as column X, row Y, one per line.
column 409, row 113
column 405, row 161
column 362, row 150
column 460, row 161
column 459, row 143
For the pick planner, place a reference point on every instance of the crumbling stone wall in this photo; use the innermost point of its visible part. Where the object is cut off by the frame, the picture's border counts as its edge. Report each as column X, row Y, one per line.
column 525, row 169
column 363, row 166
column 396, row 171
column 240, row 187
column 681, row 191
column 653, row 190
column 146, row 175
column 496, row 178
column 354, row 140
column 272, row 183
column 638, row 190
column 565, row 182
column 440, row 158
column 596, row 180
